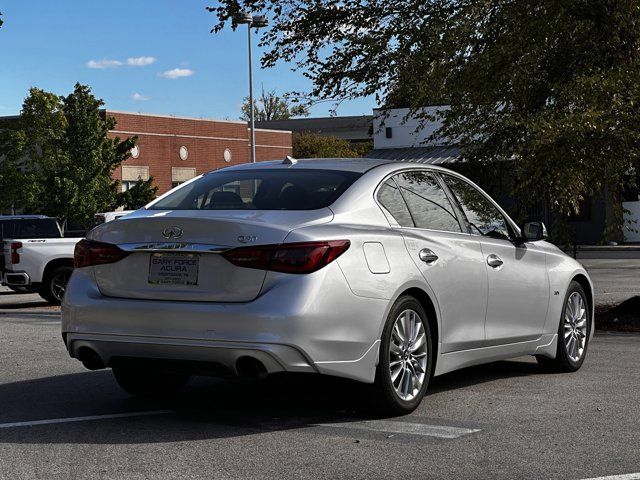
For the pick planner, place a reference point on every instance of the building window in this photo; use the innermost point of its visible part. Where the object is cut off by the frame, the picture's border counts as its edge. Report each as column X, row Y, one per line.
column 127, row 184
column 176, row 184
column 389, row 132
column 181, row 174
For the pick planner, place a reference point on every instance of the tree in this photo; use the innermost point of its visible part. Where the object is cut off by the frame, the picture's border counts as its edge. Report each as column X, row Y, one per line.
column 270, row 106
column 312, row 145
column 66, row 158
column 549, row 84
column 141, row 193
column 1, row 22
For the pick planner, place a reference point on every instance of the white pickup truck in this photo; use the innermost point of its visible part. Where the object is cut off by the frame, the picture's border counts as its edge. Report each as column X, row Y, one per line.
column 35, row 256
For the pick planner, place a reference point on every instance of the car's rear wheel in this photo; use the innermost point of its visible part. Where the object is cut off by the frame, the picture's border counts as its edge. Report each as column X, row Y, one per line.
column 54, row 284
column 404, row 368
column 573, row 332
column 142, row 381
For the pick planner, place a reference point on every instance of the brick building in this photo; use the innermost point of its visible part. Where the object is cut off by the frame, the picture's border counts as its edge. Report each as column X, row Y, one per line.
column 175, row 149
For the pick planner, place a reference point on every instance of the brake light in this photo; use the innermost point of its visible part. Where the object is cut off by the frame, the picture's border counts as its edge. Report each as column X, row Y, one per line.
column 302, row 257
column 91, row 252
column 15, row 256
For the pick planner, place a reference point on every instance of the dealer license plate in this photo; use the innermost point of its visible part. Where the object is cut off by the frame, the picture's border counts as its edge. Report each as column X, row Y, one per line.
column 173, row 269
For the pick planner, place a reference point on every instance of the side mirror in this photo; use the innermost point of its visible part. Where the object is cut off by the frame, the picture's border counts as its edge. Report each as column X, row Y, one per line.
column 533, row 232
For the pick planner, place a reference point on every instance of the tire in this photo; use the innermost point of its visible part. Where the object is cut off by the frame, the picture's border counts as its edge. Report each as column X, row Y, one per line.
column 573, row 332
column 400, row 356
column 147, row 382
column 54, row 284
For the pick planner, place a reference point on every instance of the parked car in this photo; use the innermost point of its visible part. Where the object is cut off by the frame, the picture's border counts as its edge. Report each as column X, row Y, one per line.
column 105, row 217
column 22, row 226
column 377, row 271
column 35, row 256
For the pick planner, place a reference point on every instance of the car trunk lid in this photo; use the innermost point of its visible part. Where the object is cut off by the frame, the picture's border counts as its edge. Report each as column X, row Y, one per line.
column 176, row 255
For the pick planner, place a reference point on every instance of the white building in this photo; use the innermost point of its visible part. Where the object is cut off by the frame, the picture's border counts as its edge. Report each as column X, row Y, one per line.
column 397, row 135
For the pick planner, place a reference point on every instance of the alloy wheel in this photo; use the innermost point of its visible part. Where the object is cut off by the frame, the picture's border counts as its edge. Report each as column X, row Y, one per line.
column 408, row 355
column 575, row 326
column 59, row 284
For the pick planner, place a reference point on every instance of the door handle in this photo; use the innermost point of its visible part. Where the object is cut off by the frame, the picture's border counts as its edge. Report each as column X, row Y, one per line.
column 427, row 256
column 494, row 261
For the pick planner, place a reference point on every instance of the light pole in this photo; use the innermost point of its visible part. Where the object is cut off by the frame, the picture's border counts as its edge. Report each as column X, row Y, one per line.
column 256, row 22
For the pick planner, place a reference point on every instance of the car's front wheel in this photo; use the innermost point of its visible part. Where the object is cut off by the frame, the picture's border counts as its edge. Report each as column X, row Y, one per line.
column 573, row 332
column 404, row 367
column 141, row 381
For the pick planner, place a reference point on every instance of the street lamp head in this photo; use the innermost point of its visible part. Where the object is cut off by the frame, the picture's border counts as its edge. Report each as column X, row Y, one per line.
column 244, row 17
column 260, row 21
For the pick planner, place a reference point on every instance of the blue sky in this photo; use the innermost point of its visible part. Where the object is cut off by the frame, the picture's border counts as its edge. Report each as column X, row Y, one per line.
column 160, row 57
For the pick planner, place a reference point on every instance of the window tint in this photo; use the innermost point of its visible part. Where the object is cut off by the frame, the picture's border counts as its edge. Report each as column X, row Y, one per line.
column 427, row 201
column 7, row 229
column 37, row 228
column 260, row 189
column 484, row 218
column 390, row 198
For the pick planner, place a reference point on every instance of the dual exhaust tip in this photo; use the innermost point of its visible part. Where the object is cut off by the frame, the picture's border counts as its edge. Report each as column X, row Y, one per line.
column 90, row 359
column 247, row 367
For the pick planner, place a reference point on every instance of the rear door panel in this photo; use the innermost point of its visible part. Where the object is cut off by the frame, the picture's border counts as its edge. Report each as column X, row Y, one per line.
column 459, row 281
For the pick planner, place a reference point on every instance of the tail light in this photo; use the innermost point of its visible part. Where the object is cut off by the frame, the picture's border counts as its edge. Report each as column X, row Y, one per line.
column 91, row 252
column 303, row 257
column 15, row 256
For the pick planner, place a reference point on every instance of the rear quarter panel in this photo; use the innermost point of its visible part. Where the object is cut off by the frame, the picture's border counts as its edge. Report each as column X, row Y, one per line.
column 402, row 273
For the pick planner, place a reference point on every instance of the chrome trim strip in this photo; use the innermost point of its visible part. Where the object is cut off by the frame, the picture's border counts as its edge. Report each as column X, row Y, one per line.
column 174, row 247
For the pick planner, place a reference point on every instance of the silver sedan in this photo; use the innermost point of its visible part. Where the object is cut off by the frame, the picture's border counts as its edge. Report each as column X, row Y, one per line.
column 382, row 272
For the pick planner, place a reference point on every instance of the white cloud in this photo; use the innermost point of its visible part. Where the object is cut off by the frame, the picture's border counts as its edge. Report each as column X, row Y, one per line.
column 177, row 73
column 140, row 61
column 104, row 63
column 139, row 98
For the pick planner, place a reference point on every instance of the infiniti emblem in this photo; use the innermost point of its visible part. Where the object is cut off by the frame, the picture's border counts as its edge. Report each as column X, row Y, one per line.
column 172, row 232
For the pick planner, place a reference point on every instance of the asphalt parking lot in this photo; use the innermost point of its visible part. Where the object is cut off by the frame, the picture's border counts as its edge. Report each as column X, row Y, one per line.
column 502, row 420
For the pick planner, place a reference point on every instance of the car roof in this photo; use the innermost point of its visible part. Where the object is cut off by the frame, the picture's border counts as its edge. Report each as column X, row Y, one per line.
column 360, row 165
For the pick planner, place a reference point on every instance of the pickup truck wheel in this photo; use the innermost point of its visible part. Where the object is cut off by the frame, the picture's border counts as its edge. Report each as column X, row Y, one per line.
column 54, row 285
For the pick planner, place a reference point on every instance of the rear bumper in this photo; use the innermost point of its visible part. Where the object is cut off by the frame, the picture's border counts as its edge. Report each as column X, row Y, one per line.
column 310, row 323
column 17, row 279
column 275, row 358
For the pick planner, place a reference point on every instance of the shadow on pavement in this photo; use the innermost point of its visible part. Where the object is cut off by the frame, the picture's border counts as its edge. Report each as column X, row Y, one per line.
column 208, row 408
column 20, row 305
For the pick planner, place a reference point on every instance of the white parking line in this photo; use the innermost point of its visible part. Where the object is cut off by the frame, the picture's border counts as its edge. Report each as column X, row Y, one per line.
column 84, row 419
column 439, row 431
column 628, row 476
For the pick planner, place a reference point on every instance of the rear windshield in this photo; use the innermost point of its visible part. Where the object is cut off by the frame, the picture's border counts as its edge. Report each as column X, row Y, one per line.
column 24, row 228
column 259, row 189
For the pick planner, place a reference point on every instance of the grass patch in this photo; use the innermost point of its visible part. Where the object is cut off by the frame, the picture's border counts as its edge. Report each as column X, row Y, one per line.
column 624, row 317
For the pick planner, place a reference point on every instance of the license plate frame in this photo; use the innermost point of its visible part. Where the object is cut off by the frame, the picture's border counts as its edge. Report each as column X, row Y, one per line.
column 174, row 269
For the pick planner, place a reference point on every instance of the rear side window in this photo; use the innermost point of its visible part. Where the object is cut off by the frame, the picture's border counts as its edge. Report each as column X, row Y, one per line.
column 37, row 228
column 391, row 199
column 7, row 229
column 260, row 189
column 428, row 203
